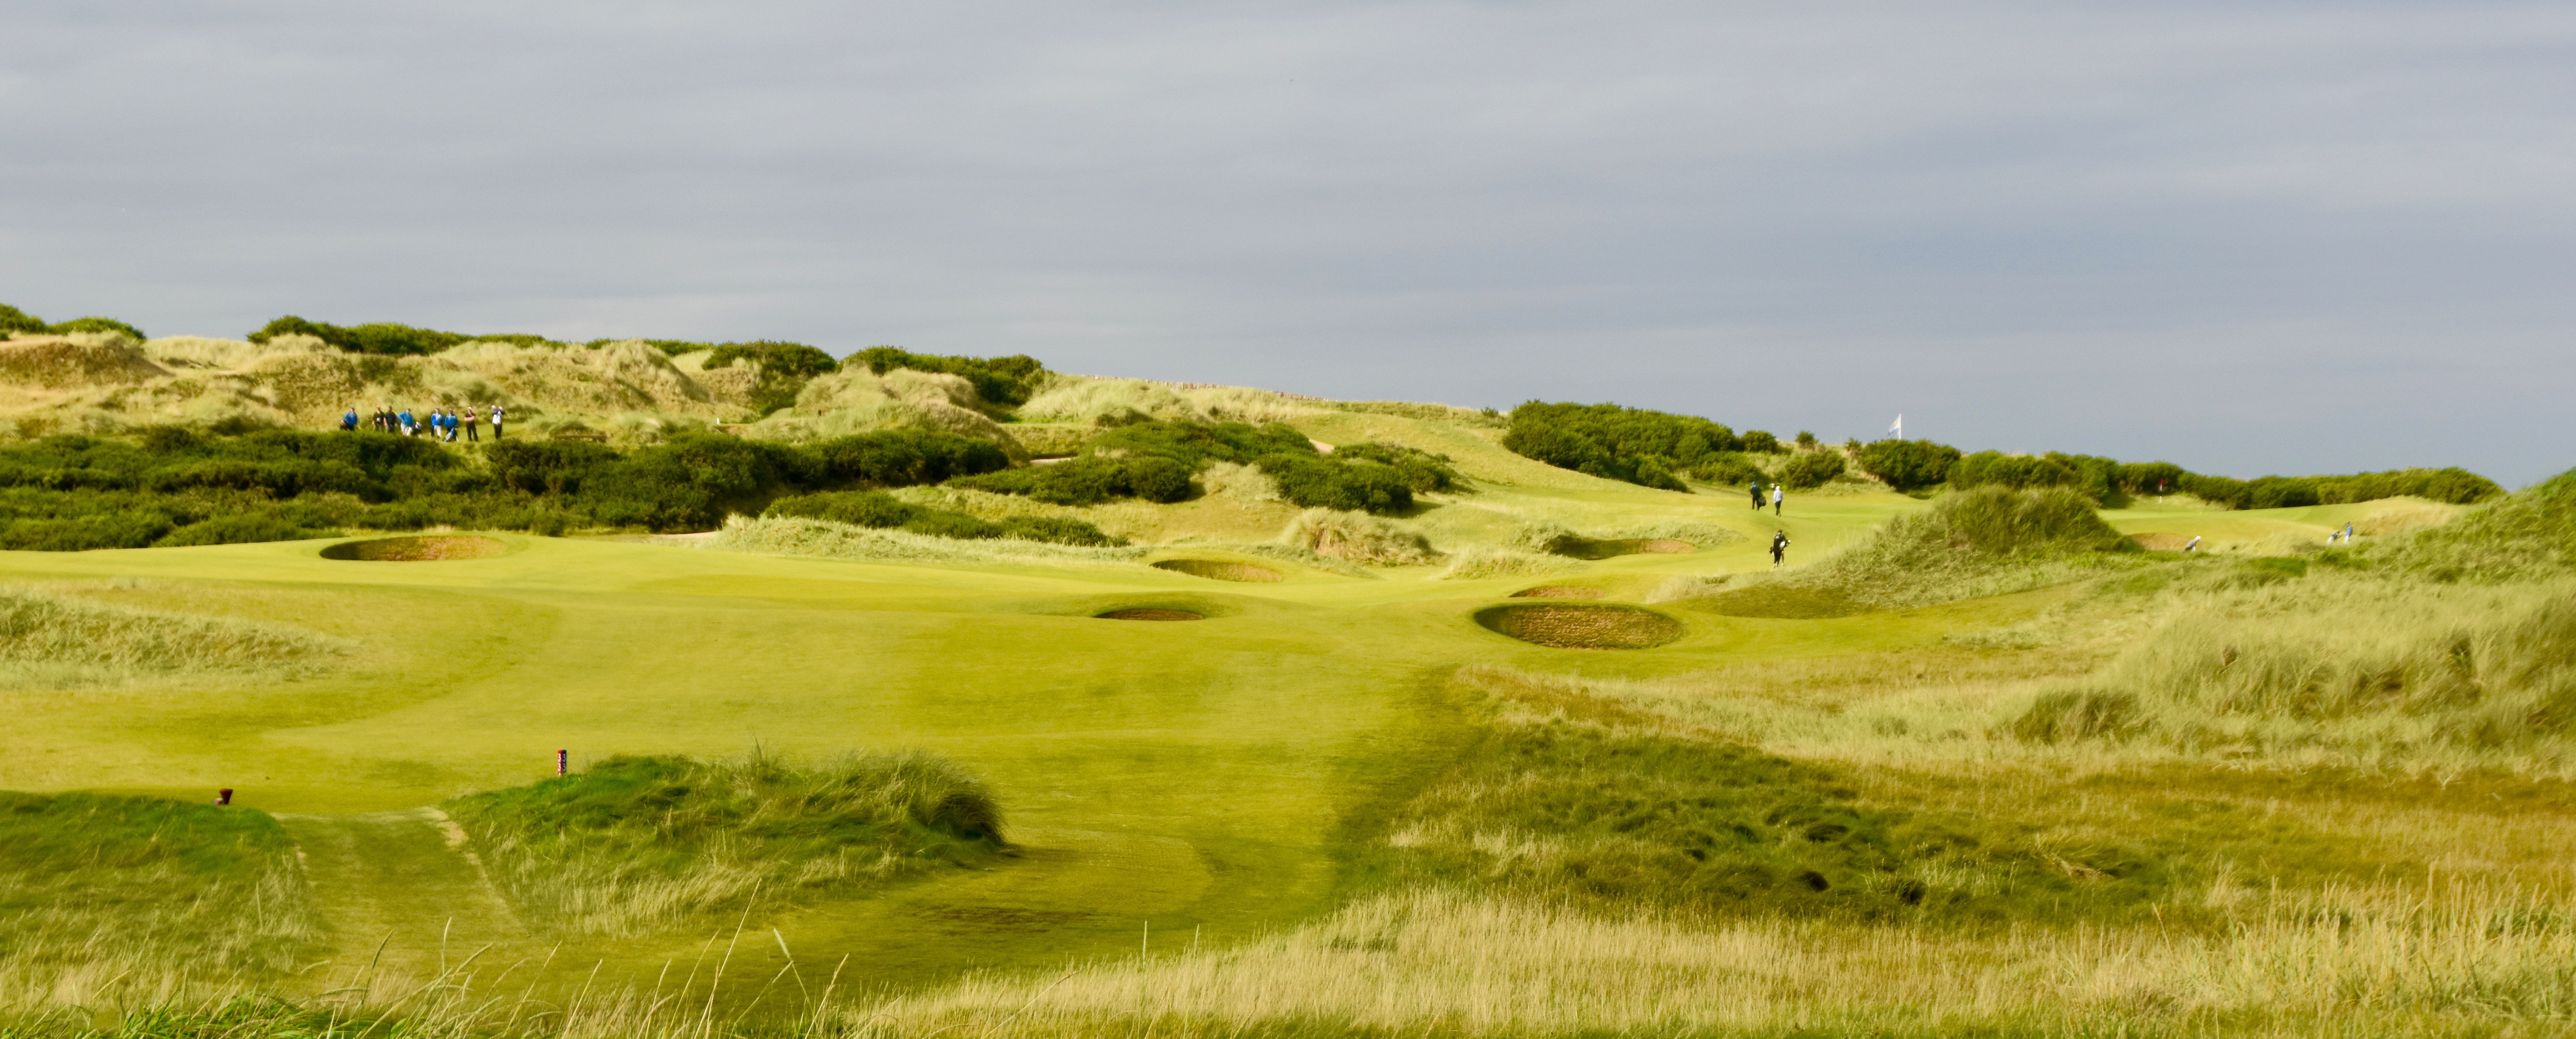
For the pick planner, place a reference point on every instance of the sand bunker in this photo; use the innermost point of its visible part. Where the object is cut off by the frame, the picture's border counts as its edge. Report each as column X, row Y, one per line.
column 1557, row 591
column 1151, row 613
column 1215, row 570
column 1588, row 626
column 1586, row 548
column 421, row 549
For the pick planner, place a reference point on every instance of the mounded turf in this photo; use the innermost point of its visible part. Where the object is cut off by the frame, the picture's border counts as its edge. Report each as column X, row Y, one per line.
column 1220, row 570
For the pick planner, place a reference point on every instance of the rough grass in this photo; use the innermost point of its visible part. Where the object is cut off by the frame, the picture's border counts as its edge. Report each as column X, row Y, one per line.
column 419, row 549
column 1358, row 537
column 1470, row 564
column 2354, row 670
column 53, row 640
column 828, row 540
column 632, row 845
column 2525, row 534
column 1219, row 570
column 141, row 898
column 1970, row 544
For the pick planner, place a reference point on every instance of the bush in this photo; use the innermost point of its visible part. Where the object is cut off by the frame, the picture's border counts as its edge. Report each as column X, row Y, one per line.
column 383, row 338
column 1759, row 442
column 1314, row 482
column 1811, row 469
column 14, row 321
column 2016, row 472
column 1421, row 470
column 1729, row 469
column 1908, row 465
column 1613, row 442
column 999, row 380
column 97, row 324
column 880, row 510
column 784, row 369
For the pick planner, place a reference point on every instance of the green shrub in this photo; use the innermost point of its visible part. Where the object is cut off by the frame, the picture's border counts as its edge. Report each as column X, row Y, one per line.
column 2151, row 477
column 2016, row 472
column 1421, row 470
column 1908, row 465
column 1811, row 469
column 784, row 369
column 1759, row 442
column 97, row 324
column 1612, row 442
column 384, row 338
column 1728, row 469
column 14, row 320
column 2530, row 533
column 1314, row 482
column 999, row 380
column 1806, row 440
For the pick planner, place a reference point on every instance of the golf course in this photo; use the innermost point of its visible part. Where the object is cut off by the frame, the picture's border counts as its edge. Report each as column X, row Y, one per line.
column 1129, row 708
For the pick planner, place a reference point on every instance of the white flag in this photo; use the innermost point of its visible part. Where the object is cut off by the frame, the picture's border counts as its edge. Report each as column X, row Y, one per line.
column 1899, row 427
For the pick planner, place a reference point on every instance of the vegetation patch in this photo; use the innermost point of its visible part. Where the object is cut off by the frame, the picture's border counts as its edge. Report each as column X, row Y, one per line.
column 148, row 888
column 1578, row 799
column 1557, row 591
column 878, row 509
column 48, row 639
column 636, row 844
column 1632, row 444
column 2530, row 533
column 1219, row 570
column 1152, row 613
column 425, row 548
column 1968, row 544
column 1587, row 626
column 1357, row 537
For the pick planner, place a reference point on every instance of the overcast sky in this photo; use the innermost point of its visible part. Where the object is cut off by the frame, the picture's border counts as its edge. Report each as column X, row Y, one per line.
column 2248, row 237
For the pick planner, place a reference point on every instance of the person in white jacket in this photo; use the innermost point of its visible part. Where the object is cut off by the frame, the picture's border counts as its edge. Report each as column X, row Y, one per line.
column 1775, row 499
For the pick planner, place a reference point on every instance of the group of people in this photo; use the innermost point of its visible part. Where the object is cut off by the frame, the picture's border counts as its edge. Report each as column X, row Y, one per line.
column 1779, row 538
column 440, row 424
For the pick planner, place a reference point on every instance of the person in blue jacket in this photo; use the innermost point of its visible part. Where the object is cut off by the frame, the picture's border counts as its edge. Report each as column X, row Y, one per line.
column 349, row 421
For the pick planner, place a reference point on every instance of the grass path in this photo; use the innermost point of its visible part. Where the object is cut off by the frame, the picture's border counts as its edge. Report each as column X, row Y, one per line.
column 403, row 882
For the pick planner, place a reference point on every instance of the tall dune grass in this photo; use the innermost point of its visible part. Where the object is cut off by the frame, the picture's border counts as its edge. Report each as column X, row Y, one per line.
column 53, row 640
column 632, row 845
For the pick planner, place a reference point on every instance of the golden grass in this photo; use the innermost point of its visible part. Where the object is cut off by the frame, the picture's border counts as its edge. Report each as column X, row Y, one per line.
column 1357, row 537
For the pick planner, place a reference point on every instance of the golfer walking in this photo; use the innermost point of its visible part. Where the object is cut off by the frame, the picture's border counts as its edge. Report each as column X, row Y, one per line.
column 1779, row 548
column 1775, row 499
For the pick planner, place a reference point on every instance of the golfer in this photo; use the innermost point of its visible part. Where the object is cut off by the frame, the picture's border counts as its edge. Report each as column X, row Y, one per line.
column 496, row 422
column 1779, row 548
column 469, row 424
column 1757, row 495
column 1775, row 499
column 349, row 421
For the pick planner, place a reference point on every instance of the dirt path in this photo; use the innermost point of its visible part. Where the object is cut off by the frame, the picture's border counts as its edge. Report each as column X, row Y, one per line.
column 405, row 881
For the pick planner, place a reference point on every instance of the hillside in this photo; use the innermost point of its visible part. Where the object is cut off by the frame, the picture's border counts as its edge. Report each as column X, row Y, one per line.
column 964, row 697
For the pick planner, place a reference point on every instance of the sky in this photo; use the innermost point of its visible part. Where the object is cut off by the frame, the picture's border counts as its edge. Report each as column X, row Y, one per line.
column 2250, row 237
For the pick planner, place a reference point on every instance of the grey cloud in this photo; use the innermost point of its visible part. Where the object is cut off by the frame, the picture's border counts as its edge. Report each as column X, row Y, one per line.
column 2249, row 237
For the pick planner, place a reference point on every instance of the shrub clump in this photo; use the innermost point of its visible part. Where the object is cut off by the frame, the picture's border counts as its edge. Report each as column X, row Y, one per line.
column 1156, row 461
column 2530, row 533
column 1811, row 469
column 999, row 380
column 633, row 844
column 1908, row 465
column 882, row 511
column 14, row 321
column 784, row 369
column 1357, row 537
column 1617, row 443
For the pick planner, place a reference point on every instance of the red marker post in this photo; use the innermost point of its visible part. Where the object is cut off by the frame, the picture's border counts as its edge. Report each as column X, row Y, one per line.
column 563, row 761
column 223, row 796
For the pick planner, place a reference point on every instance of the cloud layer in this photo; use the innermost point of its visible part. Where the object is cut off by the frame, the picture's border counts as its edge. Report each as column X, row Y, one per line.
column 2286, row 237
